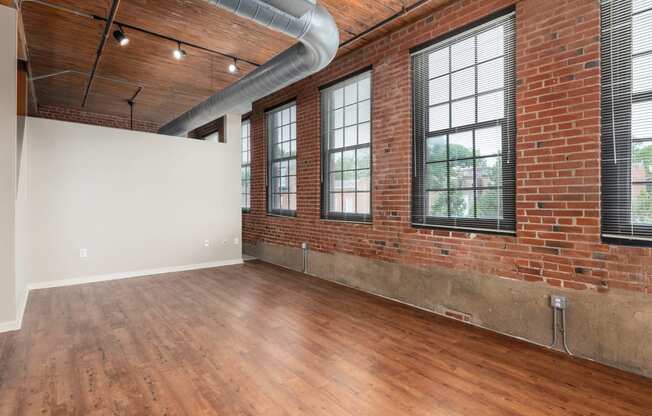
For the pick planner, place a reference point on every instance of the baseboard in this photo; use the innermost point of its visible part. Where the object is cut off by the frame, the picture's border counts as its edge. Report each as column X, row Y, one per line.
column 9, row 326
column 17, row 324
column 127, row 275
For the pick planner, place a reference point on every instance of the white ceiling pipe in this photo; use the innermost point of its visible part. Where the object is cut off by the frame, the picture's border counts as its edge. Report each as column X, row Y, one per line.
column 318, row 43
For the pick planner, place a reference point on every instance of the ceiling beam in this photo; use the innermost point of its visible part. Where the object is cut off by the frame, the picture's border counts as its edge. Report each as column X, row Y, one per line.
column 100, row 50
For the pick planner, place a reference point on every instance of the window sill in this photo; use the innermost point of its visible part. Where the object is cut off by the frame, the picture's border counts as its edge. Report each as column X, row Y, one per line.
column 507, row 233
column 351, row 221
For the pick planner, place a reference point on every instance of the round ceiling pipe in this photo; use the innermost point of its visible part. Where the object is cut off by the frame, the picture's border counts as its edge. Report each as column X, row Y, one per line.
column 318, row 43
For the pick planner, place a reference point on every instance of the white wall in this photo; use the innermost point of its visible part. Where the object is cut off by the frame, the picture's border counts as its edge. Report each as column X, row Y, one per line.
column 136, row 201
column 7, row 166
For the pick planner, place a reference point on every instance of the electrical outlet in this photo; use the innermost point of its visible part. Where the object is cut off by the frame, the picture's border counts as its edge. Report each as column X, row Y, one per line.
column 207, row 243
column 558, row 301
column 83, row 252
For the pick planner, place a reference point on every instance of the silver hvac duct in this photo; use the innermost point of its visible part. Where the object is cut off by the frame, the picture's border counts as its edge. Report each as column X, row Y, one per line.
column 318, row 39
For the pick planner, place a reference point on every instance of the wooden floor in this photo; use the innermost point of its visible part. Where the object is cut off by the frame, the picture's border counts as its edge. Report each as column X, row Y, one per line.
column 259, row 340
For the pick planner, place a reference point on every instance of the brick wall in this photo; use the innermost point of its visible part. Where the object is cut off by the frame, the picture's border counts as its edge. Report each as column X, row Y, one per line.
column 86, row 117
column 558, row 158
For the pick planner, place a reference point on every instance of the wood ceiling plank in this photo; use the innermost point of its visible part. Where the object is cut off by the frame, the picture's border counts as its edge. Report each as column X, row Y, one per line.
column 59, row 40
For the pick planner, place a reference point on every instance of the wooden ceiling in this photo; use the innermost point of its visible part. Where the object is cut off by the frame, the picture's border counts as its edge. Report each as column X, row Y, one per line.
column 62, row 39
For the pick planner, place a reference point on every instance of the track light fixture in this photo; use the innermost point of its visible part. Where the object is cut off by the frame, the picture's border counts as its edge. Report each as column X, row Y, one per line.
column 120, row 37
column 179, row 53
column 233, row 67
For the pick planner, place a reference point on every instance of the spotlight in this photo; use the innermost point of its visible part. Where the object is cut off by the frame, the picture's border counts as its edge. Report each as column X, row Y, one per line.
column 233, row 67
column 120, row 37
column 179, row 53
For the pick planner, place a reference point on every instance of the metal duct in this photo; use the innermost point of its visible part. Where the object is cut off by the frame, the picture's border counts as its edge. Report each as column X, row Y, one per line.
column 318, row 43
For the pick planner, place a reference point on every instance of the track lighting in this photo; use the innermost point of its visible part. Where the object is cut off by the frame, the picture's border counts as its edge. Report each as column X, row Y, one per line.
column 179, row 53
column 120, row 37
column 233, row 67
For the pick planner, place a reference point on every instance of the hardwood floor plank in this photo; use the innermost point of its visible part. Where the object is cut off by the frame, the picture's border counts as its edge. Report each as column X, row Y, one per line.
column 255, row 339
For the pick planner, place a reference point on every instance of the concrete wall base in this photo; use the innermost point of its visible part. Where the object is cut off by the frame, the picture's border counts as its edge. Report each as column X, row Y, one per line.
column 614, row 328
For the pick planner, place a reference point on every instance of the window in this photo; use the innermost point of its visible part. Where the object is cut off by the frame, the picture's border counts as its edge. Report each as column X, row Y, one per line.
column 282, row 137
column 346, row 156
column 626, row 120
column 210, row 132
column 245, row 165
column 464, row 129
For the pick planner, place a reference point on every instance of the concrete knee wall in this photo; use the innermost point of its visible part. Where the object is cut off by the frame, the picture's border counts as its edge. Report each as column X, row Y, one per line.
column 614, row 328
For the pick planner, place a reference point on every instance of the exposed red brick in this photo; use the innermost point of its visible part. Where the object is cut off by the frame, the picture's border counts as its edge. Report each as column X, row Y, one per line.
column 558, row 170
column 96, row 119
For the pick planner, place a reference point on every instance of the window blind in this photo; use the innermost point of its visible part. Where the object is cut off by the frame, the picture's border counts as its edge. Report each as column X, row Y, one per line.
column 282, row 160
column 346, row 149
column 464, row 129
column 626, row 72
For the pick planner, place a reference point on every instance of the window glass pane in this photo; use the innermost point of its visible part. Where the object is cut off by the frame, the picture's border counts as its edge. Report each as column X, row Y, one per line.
column 348, row 160
column 363, row 203
column 363, row 158
column 351, row 136
column 642, row 162
column 437, row 203
column 461, row 173
column 460, row 145
column 438, row 90
column 348, row 202
column 363, row 180
column 438, row 63
column 350, row 94
column 436, row 176
column 293, row 184
column 436, row 148
column 488, row 171
column 350, row 115
column 293, row 148
column 642, row 204
column 642, row 120
column 293, row 114
column 489, row 141
column 491, row 43
column 348, row 180
column 338, row 98
column 642, row 41
column 491, row 75
column 461, row 204
column 336, row 181
column 335, row 202
column 463, row 54
column 293, row 131
column 364, row 133
column 293, row 202
column 491, row 106
column 364, row 111
column 338, row 118
column 337, row 139
column 293, row 167
column 463, row 83
column 438, row 117
column 336, row 161
column 463, row 112
column 642, row 77
column 489, row 203
column 364, row 89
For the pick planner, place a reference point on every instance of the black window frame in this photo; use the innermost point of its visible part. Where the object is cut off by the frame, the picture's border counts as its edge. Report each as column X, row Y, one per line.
column 420, row 105
column 247, row 207
column 326, row 150
column 271, row 160
column 617, row 98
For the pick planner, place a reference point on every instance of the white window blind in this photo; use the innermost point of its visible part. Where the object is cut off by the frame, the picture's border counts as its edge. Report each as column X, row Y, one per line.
column 464, row 129
column 626, row 72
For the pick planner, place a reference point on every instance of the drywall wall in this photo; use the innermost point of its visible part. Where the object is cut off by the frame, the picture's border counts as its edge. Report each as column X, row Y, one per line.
column 135, row 201
column 7, row 166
